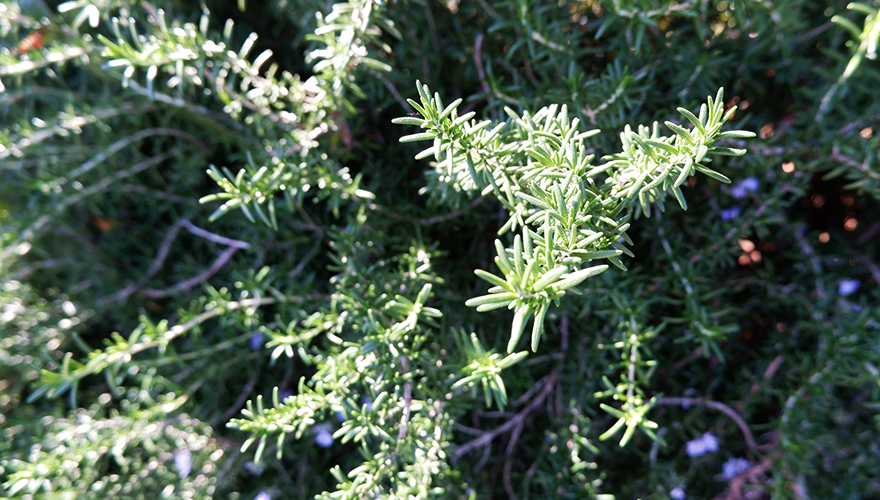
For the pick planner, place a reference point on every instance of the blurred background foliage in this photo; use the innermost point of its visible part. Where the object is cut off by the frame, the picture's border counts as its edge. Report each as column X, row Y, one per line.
column 239, row 209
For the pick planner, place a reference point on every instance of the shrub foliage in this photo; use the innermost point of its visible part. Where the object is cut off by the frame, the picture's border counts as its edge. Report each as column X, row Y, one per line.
column 411, row 249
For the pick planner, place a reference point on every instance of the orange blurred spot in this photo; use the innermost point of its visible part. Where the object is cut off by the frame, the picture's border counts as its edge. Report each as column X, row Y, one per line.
column 767, row 131
column 818, row 200
column 850, row 224
column 744, row 260
column 771, row 72
column 746, row 245
column 34, row 41
column 788, row 167
column 104, row 225
column 847, row 200
column 781, row 327
column 824, row 237
column 867, row 132
column 755, row 256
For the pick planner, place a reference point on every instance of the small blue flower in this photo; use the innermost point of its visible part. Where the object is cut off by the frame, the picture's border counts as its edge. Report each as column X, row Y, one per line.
column 340, row 416
column 256, row 340
column 183, row 463
column 263, row 496
column 750, row 184
column 738, row 191
column 747, row 185
column 735, row 467
column 688, row 393
column 847, row 287
column 284, row 395
column 254, row 468
column 324, row 439
column 707, row 443
column 677, row 493
column 730, row 214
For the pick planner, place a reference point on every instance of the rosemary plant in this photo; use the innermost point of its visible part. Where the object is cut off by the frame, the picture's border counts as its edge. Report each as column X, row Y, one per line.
column 237, row 262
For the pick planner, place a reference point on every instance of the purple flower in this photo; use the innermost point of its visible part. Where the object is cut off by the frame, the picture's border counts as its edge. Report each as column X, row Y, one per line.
column 730, row 214
column 256, row 340
column 255, row 468
column 688, row 393
column 263, row 496
column 847, row 287
column 738, row 191
column 707, row 443
column 324, row 439
column 750, row 184
column 183, row 462
column 747, row 185
column 677, row 493
column 735, row 467
column 284, row 395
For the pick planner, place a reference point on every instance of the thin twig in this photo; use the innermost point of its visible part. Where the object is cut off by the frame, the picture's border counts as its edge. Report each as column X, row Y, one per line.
column 72, row 123
column 216, row 238
column 429, row 220
column 302, row 264
column 185, row 285
column 489, row 436
column 239, row 403
column 394, row 92
column 735, row 492
column 818, row 30
column 432, row 29
column 192, row 108
column 124, row 143
column 162, row 254
column 38, row 225
column 109, row 359
column 508, row 488
column 407, row 398
column 723, row 408
column 771, row 370
column 815, row 263
column 478, row 61
column 839, row 157
column 868, row 235
column 467, row 430
column 516, row 423
column 875, row 270
column 134, row 188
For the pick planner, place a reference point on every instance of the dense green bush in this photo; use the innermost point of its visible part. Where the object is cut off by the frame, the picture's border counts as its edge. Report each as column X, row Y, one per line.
column 508, row 249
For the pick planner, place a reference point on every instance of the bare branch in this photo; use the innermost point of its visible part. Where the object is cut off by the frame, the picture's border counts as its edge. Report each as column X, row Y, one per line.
column 723, row 408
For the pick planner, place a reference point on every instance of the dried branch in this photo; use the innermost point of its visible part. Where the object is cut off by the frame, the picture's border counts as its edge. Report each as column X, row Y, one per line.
column 723, row 408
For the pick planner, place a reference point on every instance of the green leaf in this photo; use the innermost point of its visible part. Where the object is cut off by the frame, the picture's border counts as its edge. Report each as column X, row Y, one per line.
column 520, row 315
column 711, row 173
column 424, row 136
column 538, row 326
column 504, row 298
column 577, row 278
column 408, row 120
column 693, row 119
column 491, row 278
column 550, row 277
